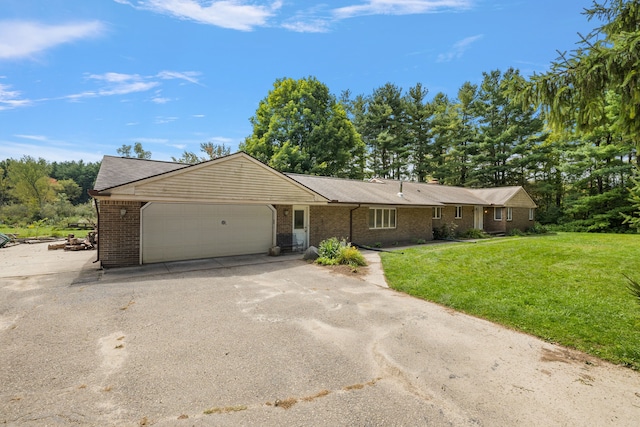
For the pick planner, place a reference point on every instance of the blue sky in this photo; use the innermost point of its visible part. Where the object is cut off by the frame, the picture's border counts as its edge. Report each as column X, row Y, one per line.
column 79, row 78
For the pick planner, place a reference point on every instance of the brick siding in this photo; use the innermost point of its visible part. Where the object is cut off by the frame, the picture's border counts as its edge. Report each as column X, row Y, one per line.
column 520, row 220
column 448, row 217
column 119, row 237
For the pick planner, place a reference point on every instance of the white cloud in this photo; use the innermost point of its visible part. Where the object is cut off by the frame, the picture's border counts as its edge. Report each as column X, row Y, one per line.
column 10, row 99
column 160, row 100
column 400, row 7
column 189, row 76
column 33, row 137
column 458, row 49
column 232, row 14
column 160, row 120
column 151, row 140
column 310, row 26
column 123, row 84
column 10, row 149
column 21, row 39
column 199, row 116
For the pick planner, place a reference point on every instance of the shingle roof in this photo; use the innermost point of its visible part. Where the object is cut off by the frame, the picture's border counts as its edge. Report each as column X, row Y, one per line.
column 375, row 193
column 115, row 171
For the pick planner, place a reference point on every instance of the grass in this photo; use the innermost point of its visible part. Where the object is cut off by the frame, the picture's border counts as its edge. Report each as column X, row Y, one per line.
column 567, row 288
column 44, row 231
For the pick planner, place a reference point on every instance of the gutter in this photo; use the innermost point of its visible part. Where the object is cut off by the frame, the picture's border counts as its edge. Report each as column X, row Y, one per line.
column 93, row 193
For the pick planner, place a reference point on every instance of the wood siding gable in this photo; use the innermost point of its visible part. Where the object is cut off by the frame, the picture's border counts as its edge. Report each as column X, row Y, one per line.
column 520, row 199
column 234, row 179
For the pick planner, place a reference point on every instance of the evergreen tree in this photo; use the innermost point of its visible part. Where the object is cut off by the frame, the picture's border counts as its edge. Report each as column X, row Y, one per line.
column 418, row 125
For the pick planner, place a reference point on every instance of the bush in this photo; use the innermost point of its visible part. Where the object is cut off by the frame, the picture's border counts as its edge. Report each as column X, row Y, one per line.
column 351, row 256
column 445, row 232
column 474, row 233
column 339, row 252
column 537, row 229
column 330, row 248
column 515, row 232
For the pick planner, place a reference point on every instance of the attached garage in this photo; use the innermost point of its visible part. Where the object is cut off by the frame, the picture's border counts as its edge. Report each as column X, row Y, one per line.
column 182, row 231
column 151, row 211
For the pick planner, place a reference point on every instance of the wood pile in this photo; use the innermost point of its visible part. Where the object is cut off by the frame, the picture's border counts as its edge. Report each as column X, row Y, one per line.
column 73, row 243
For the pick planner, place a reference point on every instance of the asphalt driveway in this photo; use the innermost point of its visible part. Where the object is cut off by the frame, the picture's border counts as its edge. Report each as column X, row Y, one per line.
column 272, row 344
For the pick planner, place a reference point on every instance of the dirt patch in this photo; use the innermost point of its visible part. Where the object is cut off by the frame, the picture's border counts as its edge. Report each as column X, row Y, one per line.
column 565, row 355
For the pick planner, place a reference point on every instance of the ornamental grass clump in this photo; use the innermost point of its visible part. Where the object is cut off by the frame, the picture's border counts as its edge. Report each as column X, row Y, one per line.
column 339, row 252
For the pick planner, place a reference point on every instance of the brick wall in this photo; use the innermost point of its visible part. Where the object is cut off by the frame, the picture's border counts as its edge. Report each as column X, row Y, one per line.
column 490, row 224
column 448, row 217
column 328, row 221
column 411, row 224
column 520, row 220
column 118, row 236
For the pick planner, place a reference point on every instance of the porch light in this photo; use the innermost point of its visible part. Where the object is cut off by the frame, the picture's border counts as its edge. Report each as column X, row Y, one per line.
column 123, row 212
column 286, row 212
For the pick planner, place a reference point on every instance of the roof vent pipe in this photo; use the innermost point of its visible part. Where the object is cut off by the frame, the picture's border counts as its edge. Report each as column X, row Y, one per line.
column 400, row 194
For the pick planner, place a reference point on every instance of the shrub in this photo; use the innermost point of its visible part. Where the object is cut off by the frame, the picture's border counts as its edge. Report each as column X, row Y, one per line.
column 334, row 252
column 515, row 232
column 351, row 256
column 474, row 233
column 537, row 229
column 445, row 232
column 330, row 248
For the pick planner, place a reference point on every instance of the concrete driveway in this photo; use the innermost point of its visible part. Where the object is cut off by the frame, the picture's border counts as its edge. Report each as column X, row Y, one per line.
column 273, row 344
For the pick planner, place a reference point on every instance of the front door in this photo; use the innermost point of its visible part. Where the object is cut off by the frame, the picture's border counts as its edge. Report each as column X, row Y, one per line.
column 301, row 227
column 478, row 218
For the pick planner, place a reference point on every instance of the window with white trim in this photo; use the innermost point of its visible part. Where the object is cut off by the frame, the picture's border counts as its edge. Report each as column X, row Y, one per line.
column 497, row 214
column 382, row 218
column 531, row 214
column 509, row 214
column 458, row 212
column 437, row 213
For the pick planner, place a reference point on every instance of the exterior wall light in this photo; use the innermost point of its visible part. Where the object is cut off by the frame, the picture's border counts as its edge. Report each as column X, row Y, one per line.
column 123, row 212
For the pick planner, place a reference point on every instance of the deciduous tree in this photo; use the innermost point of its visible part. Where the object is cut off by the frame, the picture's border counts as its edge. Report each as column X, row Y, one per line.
column 300, row 127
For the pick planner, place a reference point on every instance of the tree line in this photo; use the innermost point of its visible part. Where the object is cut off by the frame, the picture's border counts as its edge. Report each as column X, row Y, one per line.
column 569, row 136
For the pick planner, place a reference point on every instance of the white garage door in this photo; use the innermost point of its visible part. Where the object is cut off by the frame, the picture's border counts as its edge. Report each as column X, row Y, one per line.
column 181, row 231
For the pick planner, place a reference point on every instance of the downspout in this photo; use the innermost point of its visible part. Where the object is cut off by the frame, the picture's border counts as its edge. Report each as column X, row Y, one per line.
column 95, row 202
column 351, row 222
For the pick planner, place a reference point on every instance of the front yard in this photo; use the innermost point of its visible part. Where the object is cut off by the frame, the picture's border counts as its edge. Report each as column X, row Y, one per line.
column 567, row 288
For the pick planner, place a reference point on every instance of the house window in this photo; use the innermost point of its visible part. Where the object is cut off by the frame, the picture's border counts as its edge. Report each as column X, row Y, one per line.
column 437, row 213
column 509, row 214
column 497, row 214
column 531, row 214
column 382, row 218
column 458, row 212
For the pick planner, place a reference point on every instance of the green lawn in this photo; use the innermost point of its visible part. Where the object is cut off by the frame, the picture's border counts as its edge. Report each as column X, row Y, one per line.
column 567, row 288
column 44, row 231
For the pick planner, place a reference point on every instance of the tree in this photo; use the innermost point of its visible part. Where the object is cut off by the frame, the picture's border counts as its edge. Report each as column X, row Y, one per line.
column 508, row 129
column 384, row 131
column 212, row 150
column 573, row 92
column 68, row 189
column 30, row 182
column 300, row 127
column 125, row 151
column 83, row 174
column 418, row 122
column 215, row 151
